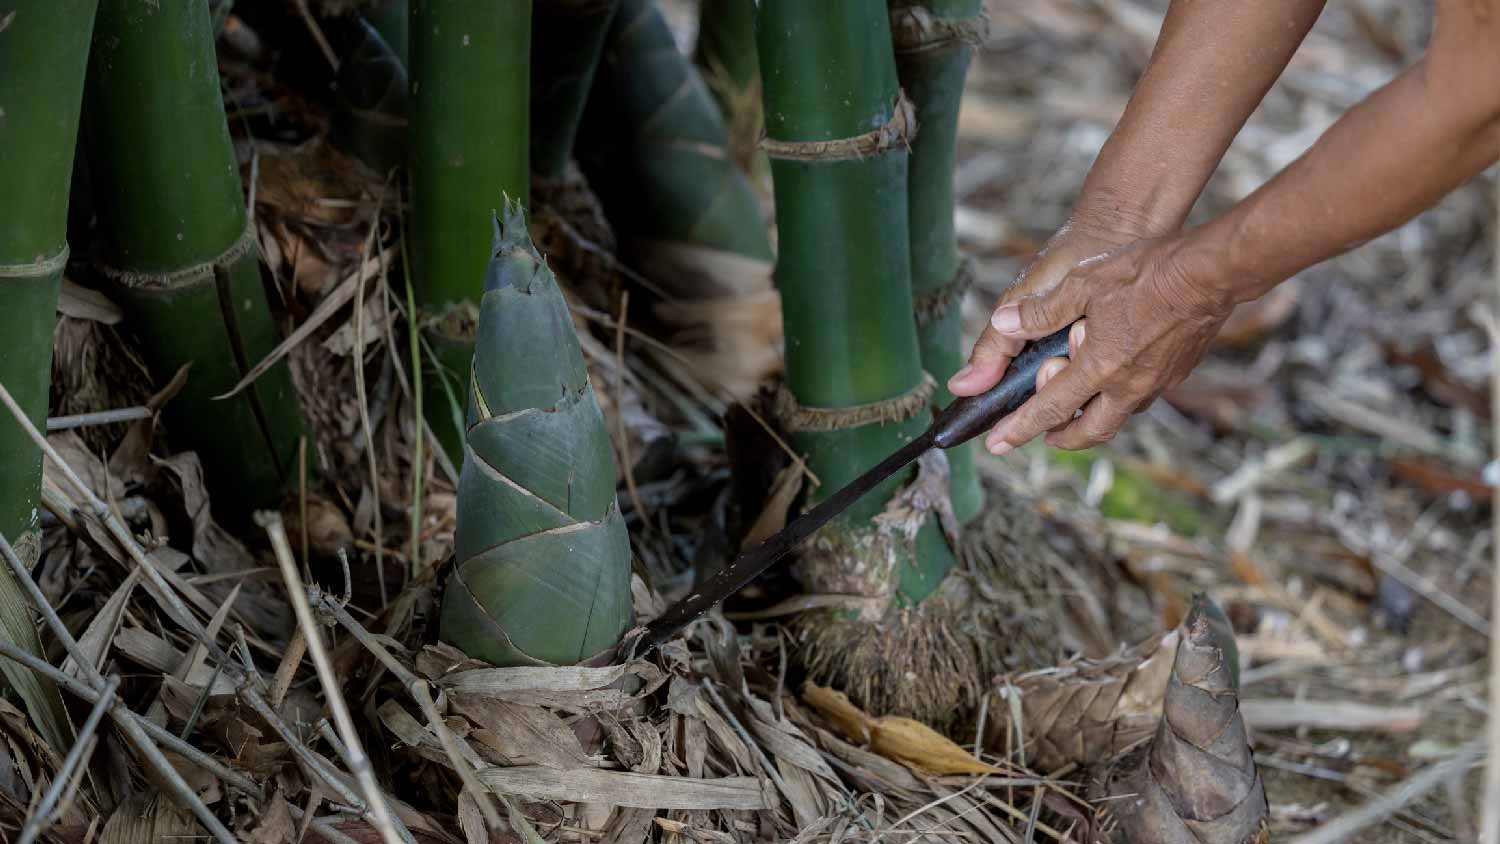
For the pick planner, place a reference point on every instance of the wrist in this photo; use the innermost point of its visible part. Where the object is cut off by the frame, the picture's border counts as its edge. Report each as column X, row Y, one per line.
column 1124, row 214
column 1209, row 255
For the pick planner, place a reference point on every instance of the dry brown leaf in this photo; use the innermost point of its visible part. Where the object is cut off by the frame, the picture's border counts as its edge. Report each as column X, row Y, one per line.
column 274, row 825
column 902, row 739
column 772, row 516
column 81, row 302
column 523, row 733
column 1084, row 711
column 149, row 819
column 471, row 819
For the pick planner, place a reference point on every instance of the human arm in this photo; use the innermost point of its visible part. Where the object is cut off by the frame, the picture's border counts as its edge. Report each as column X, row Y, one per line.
column 1153, row 307
column 1212, row 65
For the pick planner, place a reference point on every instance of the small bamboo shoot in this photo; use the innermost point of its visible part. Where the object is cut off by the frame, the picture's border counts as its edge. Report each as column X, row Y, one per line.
column 543, row 571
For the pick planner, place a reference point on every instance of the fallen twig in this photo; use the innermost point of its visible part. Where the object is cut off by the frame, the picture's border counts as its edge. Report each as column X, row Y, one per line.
column 358, row 761
column 41, row 815
column 1344, row 827
column 422, row 694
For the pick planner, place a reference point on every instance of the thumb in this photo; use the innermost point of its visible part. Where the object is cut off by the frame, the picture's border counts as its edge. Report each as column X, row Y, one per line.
column 1040, row 315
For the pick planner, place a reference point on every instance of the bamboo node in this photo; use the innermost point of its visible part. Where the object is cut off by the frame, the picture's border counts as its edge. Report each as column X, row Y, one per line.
column 898, row 130
column 191, row 274
column 797, row 418
column 915, row 29
column 933, row 305
column 40, row 268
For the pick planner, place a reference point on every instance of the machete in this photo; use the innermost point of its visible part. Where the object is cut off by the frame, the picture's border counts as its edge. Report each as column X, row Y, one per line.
column 955, row 425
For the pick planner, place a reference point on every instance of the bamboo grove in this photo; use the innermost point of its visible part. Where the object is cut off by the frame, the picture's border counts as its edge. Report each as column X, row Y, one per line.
column 626, row 144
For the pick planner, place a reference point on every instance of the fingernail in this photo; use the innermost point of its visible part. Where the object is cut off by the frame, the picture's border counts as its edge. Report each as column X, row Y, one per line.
column 1001, row 448
column 960, row 376
column 1007, row 320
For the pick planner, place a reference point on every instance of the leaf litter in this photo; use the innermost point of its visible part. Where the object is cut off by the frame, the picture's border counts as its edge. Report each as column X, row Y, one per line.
column 1330, row 452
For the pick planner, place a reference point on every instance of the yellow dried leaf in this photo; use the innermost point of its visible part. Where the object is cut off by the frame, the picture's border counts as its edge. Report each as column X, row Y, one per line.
column 904, row 740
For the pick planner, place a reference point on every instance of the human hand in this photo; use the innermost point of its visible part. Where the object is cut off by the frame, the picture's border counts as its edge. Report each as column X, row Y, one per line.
column 1150, row 311
column 1079, row 239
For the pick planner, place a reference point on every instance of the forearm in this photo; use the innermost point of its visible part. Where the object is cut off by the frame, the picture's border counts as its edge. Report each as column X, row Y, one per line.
column 1382, row 163
column 1213, row 63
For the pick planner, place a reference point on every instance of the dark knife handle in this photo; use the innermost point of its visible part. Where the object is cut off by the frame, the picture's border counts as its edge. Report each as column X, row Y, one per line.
column 970, row 416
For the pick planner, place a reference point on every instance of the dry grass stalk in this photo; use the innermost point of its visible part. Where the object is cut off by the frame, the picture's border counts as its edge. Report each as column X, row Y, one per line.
column 169, row 777
column 1352, row 823
column 421, row 692
column 359, row 762
column 83, row 747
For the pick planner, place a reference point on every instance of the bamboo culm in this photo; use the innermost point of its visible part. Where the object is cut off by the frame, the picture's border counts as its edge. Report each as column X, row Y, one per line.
column 180, row 253
column 43, row 52
column 932, row 65
column 844, row 263
column 470, row 83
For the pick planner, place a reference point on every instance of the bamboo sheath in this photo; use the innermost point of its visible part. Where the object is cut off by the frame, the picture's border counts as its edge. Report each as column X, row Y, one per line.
column 543, row 559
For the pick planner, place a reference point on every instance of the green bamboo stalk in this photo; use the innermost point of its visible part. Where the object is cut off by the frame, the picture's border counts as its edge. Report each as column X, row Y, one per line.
column 470, row 71
column 844, row 268
column 567, row 39
column 167, row 187
column 725, row 55
column 932, row 61
column 543, row 571
column 43, row 53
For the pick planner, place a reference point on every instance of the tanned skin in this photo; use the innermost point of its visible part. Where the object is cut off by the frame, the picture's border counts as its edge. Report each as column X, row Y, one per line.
column 1149, row 297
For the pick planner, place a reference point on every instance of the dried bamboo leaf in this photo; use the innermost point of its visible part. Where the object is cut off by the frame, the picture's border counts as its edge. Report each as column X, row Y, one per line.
column 629, row 826
column 524, row 680
column 157, row 653
column 1085, row 711
column 905, row 740
column 524, row 733
column 619, row 788
column 786, row 741
column 97, row 636
column 274, row 824
column 149, row 819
